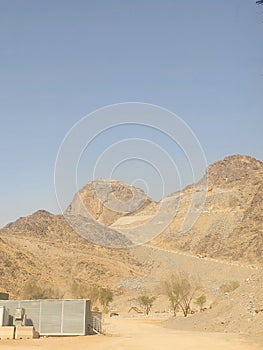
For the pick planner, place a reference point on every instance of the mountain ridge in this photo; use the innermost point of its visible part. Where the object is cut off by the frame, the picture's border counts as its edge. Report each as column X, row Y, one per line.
column 44, row 246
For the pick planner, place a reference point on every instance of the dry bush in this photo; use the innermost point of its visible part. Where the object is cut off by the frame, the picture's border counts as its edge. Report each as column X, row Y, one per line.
column 229, row 287
column 32, row 290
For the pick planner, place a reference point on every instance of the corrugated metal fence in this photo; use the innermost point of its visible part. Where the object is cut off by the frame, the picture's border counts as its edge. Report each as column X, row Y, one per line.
column 58, row 317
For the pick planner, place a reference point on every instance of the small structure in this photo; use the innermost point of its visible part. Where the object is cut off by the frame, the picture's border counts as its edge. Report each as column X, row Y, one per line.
column 4, row 296
column 19, row 318
column 55, row 317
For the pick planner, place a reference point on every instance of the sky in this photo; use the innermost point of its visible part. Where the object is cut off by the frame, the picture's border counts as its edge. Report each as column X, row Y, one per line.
column 62, row 60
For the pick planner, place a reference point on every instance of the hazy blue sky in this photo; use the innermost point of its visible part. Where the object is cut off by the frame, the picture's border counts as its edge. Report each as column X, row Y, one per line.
column 60, row 60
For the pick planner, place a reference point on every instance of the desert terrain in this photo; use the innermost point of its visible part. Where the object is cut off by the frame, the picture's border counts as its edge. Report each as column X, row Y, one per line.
column 223, row 248
column 141, row 334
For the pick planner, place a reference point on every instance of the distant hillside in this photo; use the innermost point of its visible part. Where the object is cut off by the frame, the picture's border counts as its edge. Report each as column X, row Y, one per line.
column 231, row 223
column 45, row 247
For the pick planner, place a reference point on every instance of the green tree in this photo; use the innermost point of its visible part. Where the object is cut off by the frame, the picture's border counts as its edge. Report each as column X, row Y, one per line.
column 105, row 297
column 146, row 302
column 200, row 301
column 181, row 290
column 173, row 292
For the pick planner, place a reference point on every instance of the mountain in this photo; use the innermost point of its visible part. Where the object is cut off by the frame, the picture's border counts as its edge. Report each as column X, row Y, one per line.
column 220, row 217
column 231, row 222
column 107, row 200
column 45, row 248
column 58, row 250
column 98, row 205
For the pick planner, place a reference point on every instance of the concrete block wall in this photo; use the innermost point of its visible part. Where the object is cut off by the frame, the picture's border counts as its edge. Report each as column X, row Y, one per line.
column 7, row 332
column 22, row 332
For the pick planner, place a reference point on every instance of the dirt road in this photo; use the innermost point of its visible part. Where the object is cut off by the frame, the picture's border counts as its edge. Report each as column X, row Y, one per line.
column 139, row 334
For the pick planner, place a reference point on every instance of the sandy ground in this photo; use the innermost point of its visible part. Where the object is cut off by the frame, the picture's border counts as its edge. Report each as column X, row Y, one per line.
column 139, row 334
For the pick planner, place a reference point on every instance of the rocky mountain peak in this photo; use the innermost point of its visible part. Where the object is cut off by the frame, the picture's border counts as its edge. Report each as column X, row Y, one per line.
column 234, row 169
column 106, row 200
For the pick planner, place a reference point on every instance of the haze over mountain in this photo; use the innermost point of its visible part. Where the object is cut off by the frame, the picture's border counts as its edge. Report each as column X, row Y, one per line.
column 228, row 234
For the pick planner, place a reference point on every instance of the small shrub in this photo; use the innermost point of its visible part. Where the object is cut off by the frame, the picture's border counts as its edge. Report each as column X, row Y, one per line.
column 229, row 287
column 200, row 301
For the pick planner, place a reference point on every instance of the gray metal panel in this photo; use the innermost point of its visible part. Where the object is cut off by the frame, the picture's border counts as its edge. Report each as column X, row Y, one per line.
column 4, row 316
column 96, row 321
column 55, row 317
column 88, row 319
column 73, row 319
column 32, row 312
column 11, row 305
column 51, row 317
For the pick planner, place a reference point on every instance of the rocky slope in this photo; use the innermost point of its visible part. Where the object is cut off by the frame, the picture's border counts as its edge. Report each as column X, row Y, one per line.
column 45, row 248
column 107, row 200
column 227, row 234
column 222, row 220
column 231, row 223
column 97, row 206
column 240, row 311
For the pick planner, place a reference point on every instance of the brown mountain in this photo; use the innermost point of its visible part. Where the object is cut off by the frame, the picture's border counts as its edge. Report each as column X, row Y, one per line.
column 99, row 205
column 45, row 247
column 108, row 200
column 231, row 223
